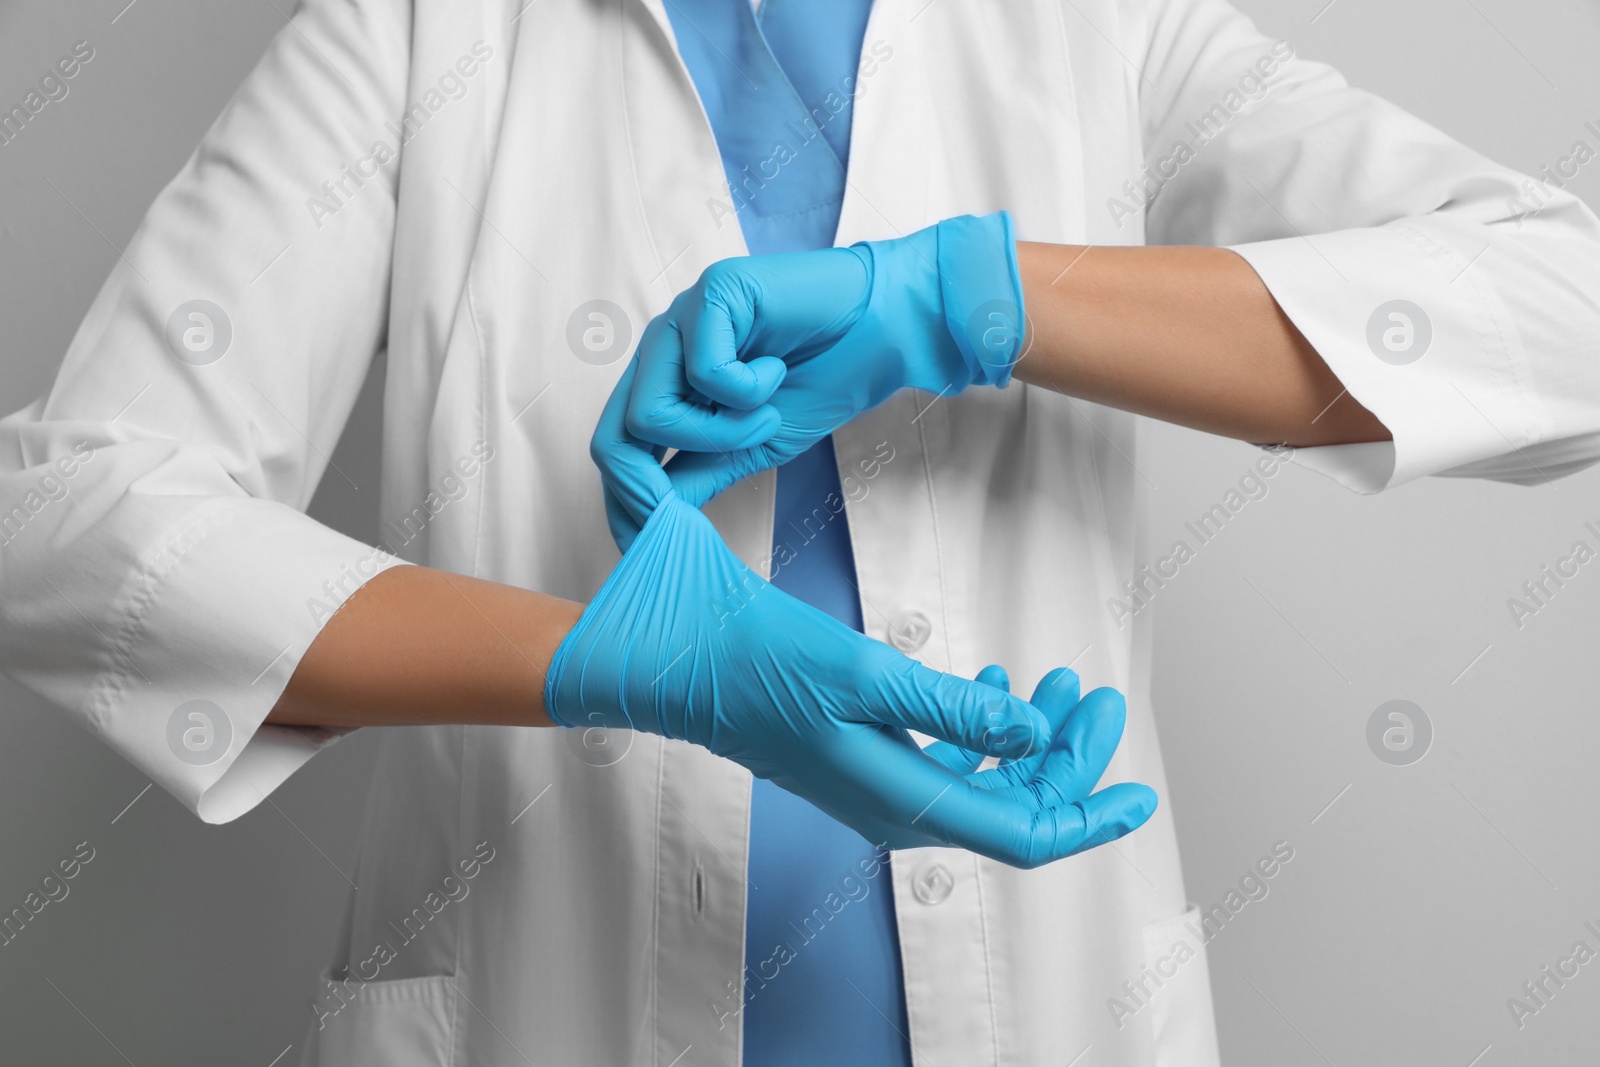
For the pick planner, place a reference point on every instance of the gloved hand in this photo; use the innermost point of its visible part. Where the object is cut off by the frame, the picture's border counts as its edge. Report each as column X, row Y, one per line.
column 686, row 642
column 765, row 355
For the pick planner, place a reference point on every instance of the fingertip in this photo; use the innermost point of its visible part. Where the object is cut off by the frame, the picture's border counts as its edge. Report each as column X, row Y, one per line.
column 766, row 421
column 1120, row 809
column 1106, row 703
column 1136, row 800
column 1059, row 686
column 967, row 712
column 995, row 676
column 769, row 373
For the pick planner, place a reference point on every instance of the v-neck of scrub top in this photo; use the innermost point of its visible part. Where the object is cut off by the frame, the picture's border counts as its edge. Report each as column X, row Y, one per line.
column 822, row 957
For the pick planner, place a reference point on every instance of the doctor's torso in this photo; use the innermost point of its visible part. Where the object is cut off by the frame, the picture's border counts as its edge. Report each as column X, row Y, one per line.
column 557, row 184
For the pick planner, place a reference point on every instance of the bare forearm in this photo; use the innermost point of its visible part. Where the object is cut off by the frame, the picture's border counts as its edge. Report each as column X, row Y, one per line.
column 1185, row 334
column 416, row 646
column 1188, row 335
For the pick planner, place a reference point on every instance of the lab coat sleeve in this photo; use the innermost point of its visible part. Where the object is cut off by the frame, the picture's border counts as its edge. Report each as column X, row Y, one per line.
column 1345, row 204
column 153, row 546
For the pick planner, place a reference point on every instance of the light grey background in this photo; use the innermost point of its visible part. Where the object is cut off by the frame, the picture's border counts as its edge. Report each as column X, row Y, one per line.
column 1417, row 903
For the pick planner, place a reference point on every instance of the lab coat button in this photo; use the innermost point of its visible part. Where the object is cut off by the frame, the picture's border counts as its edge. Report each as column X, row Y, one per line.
column 932, row 883
column 909, row 631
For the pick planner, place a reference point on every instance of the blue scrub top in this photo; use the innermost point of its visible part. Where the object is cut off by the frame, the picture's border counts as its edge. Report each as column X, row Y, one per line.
column 822, row 958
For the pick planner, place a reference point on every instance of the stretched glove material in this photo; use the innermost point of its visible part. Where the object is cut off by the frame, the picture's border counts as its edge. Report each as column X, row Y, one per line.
column 686, row 642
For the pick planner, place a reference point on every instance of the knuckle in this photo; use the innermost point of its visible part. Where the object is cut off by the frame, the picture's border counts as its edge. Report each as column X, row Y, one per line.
column 715, row 277
column 705, row 375
column 1024, row 855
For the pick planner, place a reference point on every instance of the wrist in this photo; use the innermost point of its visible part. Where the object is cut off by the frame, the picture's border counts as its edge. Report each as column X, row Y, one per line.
column 903, row 326
column 948, row 299
column 980, row 285
column 582, row 687
column 635, row 658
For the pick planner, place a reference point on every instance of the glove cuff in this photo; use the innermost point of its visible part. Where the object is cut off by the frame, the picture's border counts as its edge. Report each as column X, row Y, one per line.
column 557, row 663
column 564, row 684
column 981, row 286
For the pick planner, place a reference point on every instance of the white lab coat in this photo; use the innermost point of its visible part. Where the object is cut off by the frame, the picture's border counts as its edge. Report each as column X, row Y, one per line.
column 560, row 156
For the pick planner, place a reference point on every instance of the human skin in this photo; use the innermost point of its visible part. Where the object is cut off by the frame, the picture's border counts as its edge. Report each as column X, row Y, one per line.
column 1188, row 335
column 1184, row 334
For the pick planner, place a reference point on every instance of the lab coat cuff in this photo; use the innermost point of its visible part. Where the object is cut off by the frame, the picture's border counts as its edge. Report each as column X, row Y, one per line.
column 216, row 624
column 1415, row 338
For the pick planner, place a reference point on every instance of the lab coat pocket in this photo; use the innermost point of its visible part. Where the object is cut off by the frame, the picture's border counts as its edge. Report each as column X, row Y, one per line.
column 1182, row 1021
column 408, row 1022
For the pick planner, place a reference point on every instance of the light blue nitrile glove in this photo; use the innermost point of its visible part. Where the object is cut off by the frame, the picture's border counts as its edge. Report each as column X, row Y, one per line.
column 765, row 355
column 683, row 640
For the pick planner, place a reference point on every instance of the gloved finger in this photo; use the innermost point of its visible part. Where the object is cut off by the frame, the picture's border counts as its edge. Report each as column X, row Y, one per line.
column 881, row 781
column 711, row 340
column 692, row 427
column 699, row 476
column 958, row 759
column 1056, row 696
column 1076, row 759
column 974, row 716
column 630, row 469
column 1116, row 811
column 664, row 410
column 624, row 528
column 1002, row 828
column 1056, row 833
column 996, row 676
column 1087, row 741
